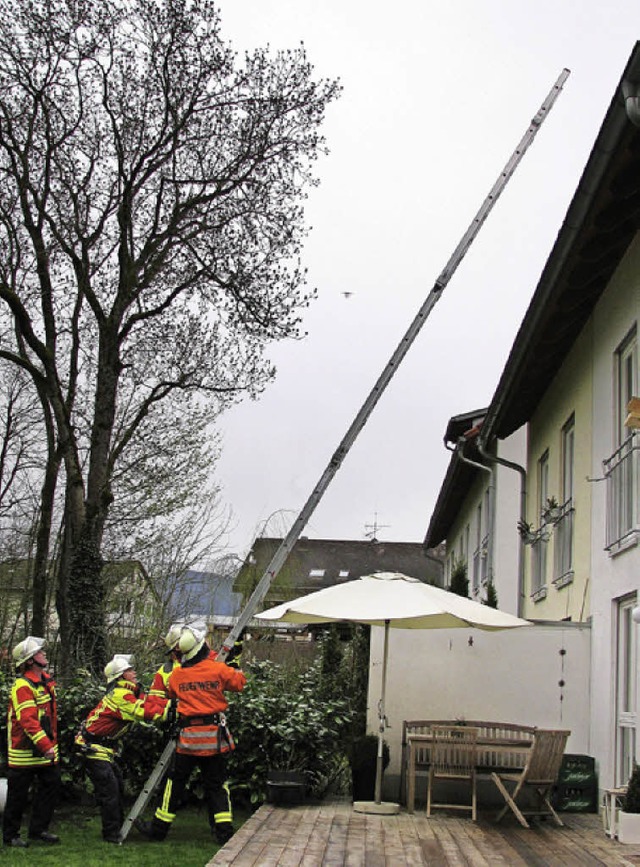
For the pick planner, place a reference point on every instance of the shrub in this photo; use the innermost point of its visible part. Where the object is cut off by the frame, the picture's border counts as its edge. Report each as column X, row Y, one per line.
column 459, row 583
column 285, row 721
column 632, row 798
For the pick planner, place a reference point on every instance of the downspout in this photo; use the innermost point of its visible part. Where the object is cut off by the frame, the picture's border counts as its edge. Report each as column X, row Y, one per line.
column 490, row 522
column 494, row 459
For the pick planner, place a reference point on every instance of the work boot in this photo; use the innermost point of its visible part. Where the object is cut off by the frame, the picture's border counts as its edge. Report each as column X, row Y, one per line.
column 45, row 837
column 155, row 831
column 17, row 843
column 223, row 832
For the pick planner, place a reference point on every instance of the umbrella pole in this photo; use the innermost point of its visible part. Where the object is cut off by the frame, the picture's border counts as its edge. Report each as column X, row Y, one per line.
column 381, row 715
column 378, row 805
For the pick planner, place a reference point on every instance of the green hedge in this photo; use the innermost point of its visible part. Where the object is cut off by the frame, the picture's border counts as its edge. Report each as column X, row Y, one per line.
column 285, row 718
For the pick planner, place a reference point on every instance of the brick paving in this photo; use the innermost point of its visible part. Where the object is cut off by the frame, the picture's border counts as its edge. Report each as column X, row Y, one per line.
column 331, row 834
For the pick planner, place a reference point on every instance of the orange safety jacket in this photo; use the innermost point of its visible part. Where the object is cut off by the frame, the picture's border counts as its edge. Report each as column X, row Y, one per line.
column 123, row 704
column 32, row 721
column 199, row 690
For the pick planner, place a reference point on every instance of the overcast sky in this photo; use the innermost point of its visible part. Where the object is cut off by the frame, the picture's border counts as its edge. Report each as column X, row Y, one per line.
column 436, row 98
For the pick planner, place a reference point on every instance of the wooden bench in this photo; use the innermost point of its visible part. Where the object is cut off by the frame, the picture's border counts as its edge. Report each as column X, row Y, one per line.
column 500, row 746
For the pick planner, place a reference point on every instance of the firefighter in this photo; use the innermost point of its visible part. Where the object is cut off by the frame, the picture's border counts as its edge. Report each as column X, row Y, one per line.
column 159, row 684
column 33, row 746
column 199, row 685
column 99, row 737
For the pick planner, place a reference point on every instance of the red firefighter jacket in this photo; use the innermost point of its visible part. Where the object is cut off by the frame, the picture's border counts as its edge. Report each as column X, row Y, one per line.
column 32, row 721
column 122, row 705
column 199, row 690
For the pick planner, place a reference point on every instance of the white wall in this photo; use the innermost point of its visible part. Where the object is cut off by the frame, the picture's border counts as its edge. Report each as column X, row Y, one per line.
column 507, row 676
column 613, row 576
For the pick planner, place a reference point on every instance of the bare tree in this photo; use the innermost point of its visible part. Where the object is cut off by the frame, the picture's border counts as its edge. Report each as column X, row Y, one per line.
column 151, row 190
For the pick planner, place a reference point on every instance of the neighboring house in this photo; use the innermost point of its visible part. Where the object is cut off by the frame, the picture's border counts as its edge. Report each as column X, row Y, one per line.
column 475, row 512
column 317, row 563
column 571, row 373
column 132, row 602
column 203, row 594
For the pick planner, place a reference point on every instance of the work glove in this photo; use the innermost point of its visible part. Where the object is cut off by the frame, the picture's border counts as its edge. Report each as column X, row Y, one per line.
column 235, row 654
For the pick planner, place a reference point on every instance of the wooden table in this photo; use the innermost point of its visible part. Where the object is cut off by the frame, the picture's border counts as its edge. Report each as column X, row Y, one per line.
column 494, row 753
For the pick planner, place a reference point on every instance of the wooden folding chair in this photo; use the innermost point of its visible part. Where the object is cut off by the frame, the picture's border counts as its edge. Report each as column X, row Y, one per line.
column 453, row 758
column 538, row 777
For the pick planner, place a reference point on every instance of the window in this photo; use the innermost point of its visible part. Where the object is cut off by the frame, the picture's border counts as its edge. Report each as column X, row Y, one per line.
column 343, row 573
column 563, row 544
column 539, row 548
column 626, row 690
column 316, row 573
column 626, row 366
column 620, row 469
column 477, row 554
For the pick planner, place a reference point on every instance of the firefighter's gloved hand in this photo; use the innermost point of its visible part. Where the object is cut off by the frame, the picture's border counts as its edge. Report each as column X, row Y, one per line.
column 172, row 714
column 235, row 654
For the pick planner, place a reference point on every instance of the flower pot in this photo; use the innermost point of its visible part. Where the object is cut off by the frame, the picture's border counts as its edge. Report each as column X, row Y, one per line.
column 628, row 827
column 286, row 787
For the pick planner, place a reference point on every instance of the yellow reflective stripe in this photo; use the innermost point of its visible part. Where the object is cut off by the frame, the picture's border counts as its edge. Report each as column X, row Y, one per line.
column 24, row 704
column 98, row 751
column 222, row 817
column 166, row 796
column 38, row 737
column 164, row 816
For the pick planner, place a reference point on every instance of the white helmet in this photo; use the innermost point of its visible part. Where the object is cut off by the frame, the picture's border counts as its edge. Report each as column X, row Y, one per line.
column 172, row 637
column 26, row 649
column 117, row 666
column 191, row 641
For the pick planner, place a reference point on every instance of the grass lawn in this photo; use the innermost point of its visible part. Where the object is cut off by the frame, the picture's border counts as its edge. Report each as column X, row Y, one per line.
column 189, row 843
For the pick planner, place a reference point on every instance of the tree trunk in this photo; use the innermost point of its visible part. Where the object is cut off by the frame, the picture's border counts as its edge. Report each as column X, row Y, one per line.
column 87, row 645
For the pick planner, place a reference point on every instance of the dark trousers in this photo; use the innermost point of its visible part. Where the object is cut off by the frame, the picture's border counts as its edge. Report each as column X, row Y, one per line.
column 214, row 774
column 108, row 788
column 19, row 780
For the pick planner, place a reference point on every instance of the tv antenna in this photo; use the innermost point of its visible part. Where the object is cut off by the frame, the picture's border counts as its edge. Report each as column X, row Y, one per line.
column 371, row 530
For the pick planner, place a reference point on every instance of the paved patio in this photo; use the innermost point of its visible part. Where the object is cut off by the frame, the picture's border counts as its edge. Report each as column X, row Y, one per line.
column 332, row 835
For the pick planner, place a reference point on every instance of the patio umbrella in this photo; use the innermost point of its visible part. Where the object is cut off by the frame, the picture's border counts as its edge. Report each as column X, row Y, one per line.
column 390, row 599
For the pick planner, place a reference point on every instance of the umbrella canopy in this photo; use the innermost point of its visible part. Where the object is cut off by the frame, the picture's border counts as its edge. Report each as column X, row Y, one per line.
column 390, row 599
column 403, row 602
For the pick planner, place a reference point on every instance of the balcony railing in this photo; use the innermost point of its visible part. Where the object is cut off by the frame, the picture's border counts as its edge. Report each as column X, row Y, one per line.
column 621, row 473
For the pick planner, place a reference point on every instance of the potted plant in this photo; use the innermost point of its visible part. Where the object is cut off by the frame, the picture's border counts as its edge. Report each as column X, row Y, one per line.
column 551, row 513
column 629, row 817
column 363, row 760
column 530, row 536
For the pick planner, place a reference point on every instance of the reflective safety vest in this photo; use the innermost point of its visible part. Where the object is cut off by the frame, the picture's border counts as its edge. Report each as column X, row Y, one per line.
column 32, row 721
column 123, row 704
column 159, row 693
column 199, row 690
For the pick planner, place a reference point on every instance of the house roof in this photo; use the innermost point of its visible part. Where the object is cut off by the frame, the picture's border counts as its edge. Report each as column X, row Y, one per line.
column 600, row 223
column 459, row 477
column 317, row 563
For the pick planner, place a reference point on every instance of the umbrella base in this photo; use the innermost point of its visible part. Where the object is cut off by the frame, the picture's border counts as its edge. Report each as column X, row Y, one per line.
column 384, row 808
